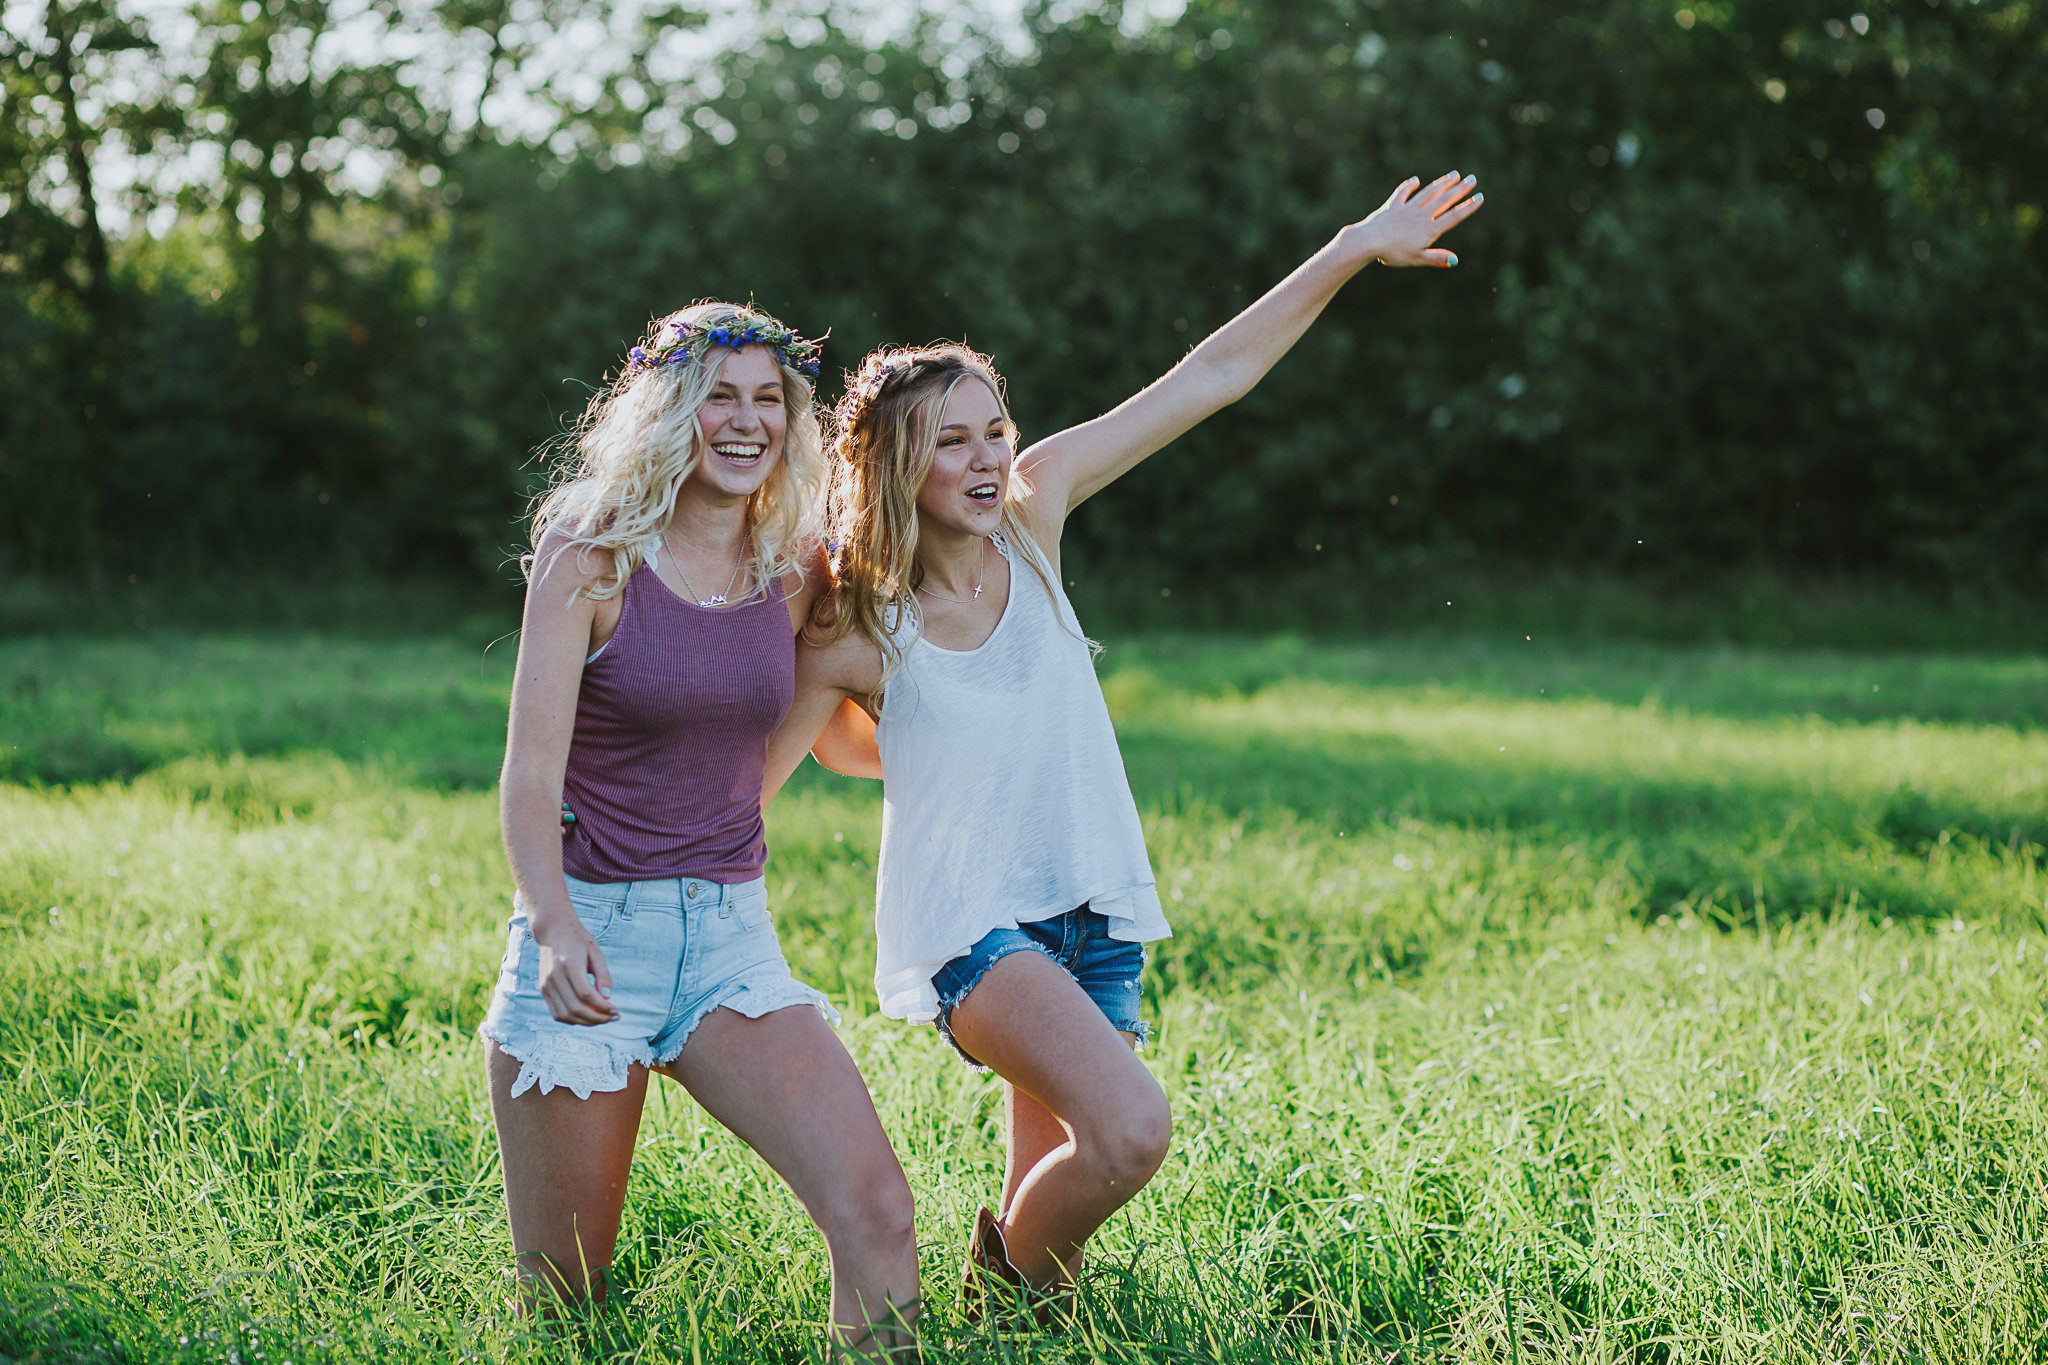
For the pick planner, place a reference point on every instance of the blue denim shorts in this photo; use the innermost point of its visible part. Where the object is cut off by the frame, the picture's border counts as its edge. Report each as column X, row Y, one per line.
column 1107, row 969
column 677, row 949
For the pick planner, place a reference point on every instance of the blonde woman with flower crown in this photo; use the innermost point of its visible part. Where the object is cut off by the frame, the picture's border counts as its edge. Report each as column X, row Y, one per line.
column 664, row 593
column 1014, row 895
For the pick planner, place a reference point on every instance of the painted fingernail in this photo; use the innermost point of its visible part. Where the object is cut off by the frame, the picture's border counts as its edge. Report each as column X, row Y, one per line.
column 1478, row 198
column 1453, row 260
column 1470, row 178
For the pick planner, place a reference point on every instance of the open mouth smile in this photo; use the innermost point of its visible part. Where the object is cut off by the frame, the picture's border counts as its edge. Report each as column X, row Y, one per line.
column 744, row 454
column 985, row 494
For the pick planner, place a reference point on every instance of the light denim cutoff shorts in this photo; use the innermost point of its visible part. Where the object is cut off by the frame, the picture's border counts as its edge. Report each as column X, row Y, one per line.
column 677, row 949
column 1106, row 969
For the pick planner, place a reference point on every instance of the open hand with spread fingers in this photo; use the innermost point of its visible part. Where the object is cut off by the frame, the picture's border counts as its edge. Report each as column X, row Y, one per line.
column 1399, row 232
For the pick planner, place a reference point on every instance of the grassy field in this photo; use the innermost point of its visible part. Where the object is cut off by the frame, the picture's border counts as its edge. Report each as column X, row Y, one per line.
column 1528, row 1002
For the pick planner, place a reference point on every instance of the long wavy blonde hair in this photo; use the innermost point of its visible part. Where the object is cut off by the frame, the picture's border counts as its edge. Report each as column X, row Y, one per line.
column 638, row 440
column 886, row 438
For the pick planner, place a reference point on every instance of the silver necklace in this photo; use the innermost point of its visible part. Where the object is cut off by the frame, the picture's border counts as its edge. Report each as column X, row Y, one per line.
column 979, row 574
column 716, row 599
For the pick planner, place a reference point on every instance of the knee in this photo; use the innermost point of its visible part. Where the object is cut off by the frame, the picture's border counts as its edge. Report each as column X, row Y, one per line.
column 873, row 1211
column 1131, row 1147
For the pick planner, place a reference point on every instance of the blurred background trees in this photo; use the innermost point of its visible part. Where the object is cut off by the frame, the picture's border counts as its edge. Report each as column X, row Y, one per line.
column 1758, row 287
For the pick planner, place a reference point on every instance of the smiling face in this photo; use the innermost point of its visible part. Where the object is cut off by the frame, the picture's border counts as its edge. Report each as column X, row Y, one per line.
column 970, row 472
column 743, row 422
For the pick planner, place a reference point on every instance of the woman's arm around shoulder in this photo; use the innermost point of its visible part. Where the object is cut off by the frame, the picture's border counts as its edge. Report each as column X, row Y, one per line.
column 802, row 592
column 556, row 633
column 848, row 746
column 832, row 678
column 1066, row 469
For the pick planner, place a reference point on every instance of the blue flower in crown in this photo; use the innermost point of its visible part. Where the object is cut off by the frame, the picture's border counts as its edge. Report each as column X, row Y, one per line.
column 684, row 342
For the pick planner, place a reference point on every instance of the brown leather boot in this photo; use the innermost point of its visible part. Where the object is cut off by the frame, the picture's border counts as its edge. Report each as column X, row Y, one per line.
column 989, row 1275
column 988, row 1270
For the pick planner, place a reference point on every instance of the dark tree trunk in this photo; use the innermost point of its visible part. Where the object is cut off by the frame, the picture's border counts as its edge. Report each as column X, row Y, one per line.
column 98, row 291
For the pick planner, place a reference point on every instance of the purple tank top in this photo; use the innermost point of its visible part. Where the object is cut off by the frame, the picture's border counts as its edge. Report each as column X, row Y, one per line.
column 672, row 726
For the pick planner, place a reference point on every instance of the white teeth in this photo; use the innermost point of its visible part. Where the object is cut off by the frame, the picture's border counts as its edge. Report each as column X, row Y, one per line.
column 739, row 452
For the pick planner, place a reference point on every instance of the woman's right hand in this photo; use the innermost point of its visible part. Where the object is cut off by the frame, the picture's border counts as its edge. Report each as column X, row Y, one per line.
column 573, row 977
column 1402, row 230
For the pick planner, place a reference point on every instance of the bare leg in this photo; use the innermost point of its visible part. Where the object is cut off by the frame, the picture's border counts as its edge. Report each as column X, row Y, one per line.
column 566, row 1161
column 1034, row 1133
column 1028, row 1021
column 785, row 1084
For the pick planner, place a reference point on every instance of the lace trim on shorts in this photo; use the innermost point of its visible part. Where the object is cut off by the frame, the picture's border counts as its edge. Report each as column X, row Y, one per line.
column 583, row 1065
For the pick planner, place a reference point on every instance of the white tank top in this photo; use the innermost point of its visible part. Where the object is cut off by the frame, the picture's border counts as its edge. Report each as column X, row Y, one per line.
column 1004, row 799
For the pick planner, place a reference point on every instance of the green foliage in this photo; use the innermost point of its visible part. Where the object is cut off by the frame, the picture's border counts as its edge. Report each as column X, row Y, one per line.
column 85, row 711
column 1462, row 1066
column 1757, row 285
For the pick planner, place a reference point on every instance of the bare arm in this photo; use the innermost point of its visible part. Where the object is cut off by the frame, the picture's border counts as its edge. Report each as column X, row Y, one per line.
column 848, row 745
column 828, row 678
column 1067, row 469
column 554, row 639
column 814, row 706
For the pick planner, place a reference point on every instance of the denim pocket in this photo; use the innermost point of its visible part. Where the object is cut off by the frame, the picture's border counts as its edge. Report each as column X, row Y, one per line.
column 750, row 907
column 600, row 914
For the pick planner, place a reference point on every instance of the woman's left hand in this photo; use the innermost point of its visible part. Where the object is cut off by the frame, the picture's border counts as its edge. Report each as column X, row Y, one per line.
column 1399, row 232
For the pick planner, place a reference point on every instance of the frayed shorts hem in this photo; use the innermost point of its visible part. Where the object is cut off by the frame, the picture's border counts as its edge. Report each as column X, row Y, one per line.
column 1106, row 969
column 676, row 950
column 585, row 1066
column 588, row 1066
column 755, row 1000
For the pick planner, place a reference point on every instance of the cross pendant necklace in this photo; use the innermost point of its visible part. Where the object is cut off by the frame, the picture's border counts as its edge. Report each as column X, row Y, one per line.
column 980, row 574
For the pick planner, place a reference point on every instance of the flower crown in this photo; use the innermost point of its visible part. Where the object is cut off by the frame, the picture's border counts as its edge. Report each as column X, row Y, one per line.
column 867, row 386
column 682, row 342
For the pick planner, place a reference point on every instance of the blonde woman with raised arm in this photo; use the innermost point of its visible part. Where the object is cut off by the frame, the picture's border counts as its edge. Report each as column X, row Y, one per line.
column 1014, row 895
column 664, row 592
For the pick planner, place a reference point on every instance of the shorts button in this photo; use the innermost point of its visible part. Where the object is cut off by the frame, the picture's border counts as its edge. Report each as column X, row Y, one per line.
column 692, row 893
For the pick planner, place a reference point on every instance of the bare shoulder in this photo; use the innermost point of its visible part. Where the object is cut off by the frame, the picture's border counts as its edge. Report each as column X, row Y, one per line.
column 804, row 589
column 1045, row 499
column 849, row 663
column 562, row 569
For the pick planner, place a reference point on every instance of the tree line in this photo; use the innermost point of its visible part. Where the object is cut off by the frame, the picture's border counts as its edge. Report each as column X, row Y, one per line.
column 1758, row 285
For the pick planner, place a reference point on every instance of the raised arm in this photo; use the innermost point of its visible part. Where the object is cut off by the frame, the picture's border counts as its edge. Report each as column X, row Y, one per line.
column 1066, row 469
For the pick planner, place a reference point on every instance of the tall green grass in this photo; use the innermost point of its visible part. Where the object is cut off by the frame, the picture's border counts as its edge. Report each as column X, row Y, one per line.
column 1527, row 1002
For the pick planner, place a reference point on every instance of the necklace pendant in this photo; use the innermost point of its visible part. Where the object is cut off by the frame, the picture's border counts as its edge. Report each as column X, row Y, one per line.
column 977, row 593
column 715, row 600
